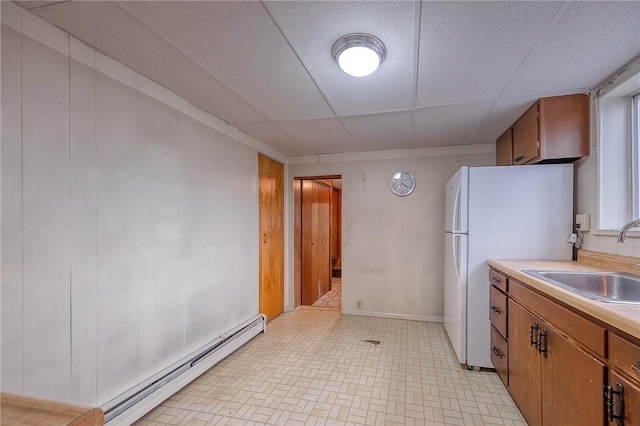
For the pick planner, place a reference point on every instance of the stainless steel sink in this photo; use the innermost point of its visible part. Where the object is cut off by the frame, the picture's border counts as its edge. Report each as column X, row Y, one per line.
column 615, row 287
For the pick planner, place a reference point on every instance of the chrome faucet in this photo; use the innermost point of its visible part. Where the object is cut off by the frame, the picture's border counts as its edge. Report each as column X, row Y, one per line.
column 625, row 229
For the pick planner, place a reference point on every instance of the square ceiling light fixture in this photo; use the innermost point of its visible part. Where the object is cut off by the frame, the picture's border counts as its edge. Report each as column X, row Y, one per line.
column 359, row 54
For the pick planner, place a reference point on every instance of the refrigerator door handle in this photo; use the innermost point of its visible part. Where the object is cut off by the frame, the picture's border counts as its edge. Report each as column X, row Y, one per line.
column 456, row 255
column 456, row 209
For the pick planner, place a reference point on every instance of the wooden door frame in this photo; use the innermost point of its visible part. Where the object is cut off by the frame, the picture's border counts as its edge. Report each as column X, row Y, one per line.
column 297, row 235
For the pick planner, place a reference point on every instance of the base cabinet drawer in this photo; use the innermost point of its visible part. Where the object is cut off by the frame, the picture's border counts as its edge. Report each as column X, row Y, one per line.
column 500, row 355
column 626, row 356
column 498, row 310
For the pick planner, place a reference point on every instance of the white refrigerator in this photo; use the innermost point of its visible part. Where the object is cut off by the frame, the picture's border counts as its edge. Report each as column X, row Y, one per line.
column 516, row 212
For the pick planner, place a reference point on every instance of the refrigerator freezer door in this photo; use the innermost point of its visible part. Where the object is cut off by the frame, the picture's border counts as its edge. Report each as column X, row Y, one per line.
column 455, row 292
column 456, row 201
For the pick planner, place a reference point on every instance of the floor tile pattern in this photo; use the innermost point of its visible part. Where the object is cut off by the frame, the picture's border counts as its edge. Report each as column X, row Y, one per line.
column 314, row 367
column 334, row 296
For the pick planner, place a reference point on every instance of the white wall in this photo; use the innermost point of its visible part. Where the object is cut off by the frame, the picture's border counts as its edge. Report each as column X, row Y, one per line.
column 129, row 227
column 393, row 247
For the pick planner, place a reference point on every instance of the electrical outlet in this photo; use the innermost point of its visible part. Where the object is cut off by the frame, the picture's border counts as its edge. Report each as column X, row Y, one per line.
column 359, row 304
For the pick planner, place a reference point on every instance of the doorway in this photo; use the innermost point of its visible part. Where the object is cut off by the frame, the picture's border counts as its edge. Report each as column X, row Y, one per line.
column 318, row 241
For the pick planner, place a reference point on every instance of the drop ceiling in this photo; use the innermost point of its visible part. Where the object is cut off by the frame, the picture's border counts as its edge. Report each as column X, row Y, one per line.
column 456, row 73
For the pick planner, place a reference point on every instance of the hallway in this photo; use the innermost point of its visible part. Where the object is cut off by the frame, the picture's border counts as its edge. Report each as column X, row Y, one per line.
column 332, row 298
column 316, row 366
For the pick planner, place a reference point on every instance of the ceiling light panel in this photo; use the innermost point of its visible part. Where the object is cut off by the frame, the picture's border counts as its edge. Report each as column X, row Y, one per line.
column 470, row 50
column 314, row 26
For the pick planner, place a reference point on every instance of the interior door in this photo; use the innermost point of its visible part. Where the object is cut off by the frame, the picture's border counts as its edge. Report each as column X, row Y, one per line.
column 271, row 229
column 316, row 265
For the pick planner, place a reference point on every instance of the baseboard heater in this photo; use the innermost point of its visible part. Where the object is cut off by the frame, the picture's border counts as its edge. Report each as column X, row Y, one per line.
column 135, row 403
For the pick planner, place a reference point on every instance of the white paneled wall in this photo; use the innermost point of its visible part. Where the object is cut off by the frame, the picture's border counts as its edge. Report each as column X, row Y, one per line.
column 393, row 247
column 129, row 221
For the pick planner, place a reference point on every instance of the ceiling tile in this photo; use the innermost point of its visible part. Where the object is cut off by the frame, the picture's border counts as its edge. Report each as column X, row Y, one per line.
column 324, row 136
column 313, row 26
column 379, row 132
column 503, row 113
column 587, row 42
column 110, row 29
column 448, row 125
column 35, row 4
column 239, row 42
column 470, row 50
column 271, row 134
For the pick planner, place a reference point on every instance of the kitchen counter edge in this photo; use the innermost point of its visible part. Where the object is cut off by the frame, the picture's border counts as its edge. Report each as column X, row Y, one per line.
column 625, row 317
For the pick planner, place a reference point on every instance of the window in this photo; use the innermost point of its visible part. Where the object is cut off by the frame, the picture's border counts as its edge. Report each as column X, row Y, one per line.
column 635, row 153
column 617, row 172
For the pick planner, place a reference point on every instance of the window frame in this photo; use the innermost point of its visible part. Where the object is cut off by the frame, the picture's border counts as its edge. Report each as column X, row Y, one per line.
column 634, row 121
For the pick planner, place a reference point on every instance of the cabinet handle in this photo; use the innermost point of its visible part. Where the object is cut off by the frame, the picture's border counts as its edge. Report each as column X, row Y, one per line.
column 515, row 160
column 533, row 335
column 615, row 409
column 542, row 342
column 495, row 280
column 497, row 352
column 495, row 309
column 636, row 366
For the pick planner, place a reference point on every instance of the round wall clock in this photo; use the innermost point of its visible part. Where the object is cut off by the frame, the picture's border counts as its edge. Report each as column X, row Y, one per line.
column 402, row 183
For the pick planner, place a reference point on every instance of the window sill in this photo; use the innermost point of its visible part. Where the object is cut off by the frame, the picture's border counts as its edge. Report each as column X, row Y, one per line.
column 614, row 233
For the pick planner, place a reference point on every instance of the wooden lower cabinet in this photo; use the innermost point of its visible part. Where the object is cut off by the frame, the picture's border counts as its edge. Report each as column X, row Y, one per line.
column 625, row 407
column 624, row 378
column 525, row 376
column 552, row 380
column 572, row 383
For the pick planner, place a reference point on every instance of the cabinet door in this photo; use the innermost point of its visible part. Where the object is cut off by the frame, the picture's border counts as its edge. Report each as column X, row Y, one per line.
column 631, row 398
column 525, row 379
column 504, row 153
column 572, row 382
column 526, row 137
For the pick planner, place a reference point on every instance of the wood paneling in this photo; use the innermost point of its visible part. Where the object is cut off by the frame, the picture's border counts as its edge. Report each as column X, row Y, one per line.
column 271, row 229
column 297, row 243
column 316, row 270
column 336, row 227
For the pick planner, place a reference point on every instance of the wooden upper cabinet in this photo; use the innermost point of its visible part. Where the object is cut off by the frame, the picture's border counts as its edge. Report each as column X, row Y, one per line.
column 553, row 130
column 504, row 155
column 526, row 139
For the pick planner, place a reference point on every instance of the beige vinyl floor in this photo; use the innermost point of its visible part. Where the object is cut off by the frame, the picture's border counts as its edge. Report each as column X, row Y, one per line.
column 315, row 366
